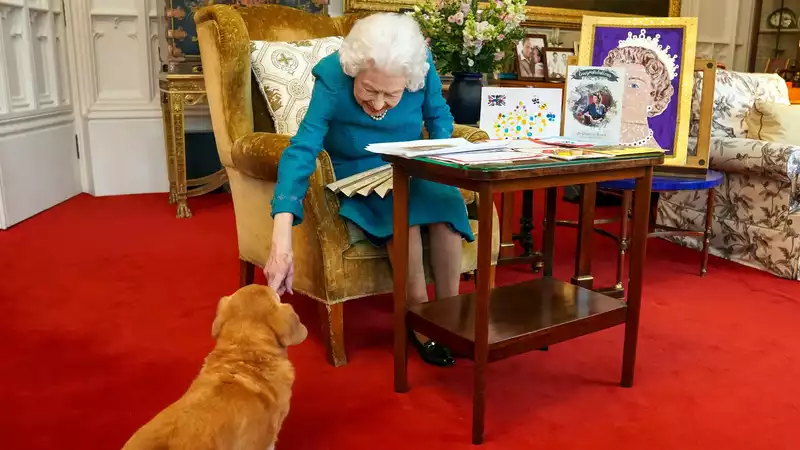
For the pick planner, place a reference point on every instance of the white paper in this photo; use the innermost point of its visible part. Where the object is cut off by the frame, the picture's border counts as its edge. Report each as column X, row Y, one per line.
column 429, row 147
column 520, row 113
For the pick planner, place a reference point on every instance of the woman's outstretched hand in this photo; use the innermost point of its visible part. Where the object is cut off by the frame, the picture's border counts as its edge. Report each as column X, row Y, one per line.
column 279, row 269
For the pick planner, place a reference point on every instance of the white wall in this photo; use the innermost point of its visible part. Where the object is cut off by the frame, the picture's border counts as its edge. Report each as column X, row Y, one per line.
column 723, row 30
column 115, row 55
column 38, row 162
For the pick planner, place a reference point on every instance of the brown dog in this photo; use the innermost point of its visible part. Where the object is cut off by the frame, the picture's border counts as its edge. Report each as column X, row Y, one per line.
column 241, row 396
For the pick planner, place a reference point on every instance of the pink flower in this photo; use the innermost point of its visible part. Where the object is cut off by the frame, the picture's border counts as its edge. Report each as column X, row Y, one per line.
column 428, row 42
column 499, row 56
column 457, row 18
column 501, row 37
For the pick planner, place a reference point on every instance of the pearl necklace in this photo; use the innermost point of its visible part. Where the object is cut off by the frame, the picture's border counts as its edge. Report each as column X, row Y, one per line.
column 640, row 142
column 379, row 116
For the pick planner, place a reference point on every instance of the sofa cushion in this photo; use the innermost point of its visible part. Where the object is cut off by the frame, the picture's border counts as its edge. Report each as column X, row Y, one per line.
column 734, row 97
column 283, row 72
column 774, row 122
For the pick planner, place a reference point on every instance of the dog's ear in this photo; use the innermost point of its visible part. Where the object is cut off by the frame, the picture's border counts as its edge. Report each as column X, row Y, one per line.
column 287, row 326
column 221, row 317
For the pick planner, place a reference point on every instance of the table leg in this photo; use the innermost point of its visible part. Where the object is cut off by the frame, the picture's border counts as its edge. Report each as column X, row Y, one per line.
column 400, row 184
column 549, row 235
column 506, row 225
column 175, row 119
column 641, row 222
column 707, row 234
column 623, row 238
column 481, row 355
column 169, row 145
column 583, row 258
column 525, row 236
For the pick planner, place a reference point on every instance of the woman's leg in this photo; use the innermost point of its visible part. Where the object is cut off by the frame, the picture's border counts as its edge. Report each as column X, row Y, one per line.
column 417, row 286
column 445, row 257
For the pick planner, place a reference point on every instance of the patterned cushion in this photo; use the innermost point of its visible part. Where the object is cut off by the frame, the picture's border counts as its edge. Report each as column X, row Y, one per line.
column 734, row 97
column 774, row 122
column 283, row 72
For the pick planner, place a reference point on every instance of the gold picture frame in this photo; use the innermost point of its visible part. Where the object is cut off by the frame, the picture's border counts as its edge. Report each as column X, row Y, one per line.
column 683, row 83
column 538, row 16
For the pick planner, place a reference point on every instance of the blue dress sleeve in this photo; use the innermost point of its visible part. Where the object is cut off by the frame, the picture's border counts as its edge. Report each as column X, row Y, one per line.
column 299, row 159
column 435, row 111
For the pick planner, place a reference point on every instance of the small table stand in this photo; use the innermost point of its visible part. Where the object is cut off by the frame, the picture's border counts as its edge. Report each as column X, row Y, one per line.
column 660, row 184
column 493, row 324
column 178, row 92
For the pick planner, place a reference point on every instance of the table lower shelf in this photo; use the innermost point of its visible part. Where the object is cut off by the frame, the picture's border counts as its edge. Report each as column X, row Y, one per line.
column 522, row 317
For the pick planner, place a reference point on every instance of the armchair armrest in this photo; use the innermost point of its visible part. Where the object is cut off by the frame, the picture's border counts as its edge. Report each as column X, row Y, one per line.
column 771, row 160
column 257, row 154
column 471, row 134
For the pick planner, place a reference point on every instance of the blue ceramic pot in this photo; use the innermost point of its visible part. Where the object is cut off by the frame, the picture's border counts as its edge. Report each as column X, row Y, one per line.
column 464, row 97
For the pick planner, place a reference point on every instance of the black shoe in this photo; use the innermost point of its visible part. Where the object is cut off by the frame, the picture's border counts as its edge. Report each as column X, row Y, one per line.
column 431, row 352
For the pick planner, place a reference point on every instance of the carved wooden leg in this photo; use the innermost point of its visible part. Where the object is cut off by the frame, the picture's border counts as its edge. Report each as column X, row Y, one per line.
column 707, row 234
column 332, row 319
column 247, row 272
column 169, row 144
column 175, row 122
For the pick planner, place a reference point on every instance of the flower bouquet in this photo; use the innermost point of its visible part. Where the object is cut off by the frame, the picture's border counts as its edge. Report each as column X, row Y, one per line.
column 465, row 38
column 467, row 42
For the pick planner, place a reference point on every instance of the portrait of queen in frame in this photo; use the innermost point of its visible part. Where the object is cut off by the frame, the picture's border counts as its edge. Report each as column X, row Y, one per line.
column 658, row 56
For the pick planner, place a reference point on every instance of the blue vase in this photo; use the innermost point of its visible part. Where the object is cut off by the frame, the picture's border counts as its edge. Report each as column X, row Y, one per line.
column 464, row 97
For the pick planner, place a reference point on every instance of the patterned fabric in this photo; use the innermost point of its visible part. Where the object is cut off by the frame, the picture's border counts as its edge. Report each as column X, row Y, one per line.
column 734, row 97
column 774, row 122
column 756, row 214
column 283, row 72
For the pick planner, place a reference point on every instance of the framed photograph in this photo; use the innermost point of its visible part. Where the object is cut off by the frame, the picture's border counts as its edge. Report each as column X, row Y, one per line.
column 530, row 61
column 557, row 63
column 658, row 55
column 594, row 107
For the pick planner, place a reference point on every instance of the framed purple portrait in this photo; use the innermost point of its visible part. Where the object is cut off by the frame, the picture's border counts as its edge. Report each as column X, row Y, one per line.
column 659, row 56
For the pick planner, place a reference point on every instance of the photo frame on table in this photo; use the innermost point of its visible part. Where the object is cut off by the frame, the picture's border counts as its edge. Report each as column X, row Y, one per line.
column 529, row 59
column 659, row 54
column 557, row 63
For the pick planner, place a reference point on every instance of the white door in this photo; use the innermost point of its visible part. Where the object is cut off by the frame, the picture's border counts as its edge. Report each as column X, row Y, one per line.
column 38, row 153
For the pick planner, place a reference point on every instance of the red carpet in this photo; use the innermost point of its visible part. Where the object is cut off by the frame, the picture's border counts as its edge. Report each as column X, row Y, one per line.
column 106, row 307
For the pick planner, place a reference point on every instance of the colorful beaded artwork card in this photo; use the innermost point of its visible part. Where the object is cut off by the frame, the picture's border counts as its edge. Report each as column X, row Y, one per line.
column 520, row 113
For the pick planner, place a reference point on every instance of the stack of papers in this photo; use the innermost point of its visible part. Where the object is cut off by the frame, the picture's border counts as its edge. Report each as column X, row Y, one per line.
column 432, row 147
column 377, row 180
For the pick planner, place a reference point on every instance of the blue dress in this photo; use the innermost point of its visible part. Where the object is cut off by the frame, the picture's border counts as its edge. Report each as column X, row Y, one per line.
column 335, row 122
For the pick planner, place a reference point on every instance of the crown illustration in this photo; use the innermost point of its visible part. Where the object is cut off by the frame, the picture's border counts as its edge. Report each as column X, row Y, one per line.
column 651, row 43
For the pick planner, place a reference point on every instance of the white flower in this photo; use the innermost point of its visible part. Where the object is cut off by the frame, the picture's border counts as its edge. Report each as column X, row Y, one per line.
column 470, row 62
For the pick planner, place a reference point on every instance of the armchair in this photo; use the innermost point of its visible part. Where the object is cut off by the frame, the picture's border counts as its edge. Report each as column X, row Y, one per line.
column 328, row 268
column 756, row 218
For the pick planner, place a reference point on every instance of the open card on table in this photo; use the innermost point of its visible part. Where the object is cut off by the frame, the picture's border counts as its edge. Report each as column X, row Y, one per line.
column 520, row 113
column 594, row 98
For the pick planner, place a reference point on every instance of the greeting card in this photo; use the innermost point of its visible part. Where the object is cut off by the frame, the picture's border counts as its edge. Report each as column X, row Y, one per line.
column 594, row 104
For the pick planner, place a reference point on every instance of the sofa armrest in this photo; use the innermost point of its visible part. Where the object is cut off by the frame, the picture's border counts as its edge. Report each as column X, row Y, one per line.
column 771, row 160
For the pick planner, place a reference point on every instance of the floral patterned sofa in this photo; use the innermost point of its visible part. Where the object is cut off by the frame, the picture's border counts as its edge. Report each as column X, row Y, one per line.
column 757, row 209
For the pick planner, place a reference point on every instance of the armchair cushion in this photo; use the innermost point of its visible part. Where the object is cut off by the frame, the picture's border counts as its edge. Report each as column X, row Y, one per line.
column 774, row 122
column 283, row 73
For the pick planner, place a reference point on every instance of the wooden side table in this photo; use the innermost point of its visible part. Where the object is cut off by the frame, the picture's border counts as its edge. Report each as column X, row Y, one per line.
column 177, row 92
column 493, row 324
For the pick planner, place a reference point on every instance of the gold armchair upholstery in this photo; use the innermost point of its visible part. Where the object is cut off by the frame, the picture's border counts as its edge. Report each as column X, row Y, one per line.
column 328, row 267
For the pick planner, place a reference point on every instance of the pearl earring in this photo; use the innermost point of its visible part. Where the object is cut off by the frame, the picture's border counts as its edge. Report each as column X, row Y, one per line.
column 649, row 108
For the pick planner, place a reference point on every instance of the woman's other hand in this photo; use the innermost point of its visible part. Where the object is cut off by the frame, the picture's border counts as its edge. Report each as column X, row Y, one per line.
column 279, row 269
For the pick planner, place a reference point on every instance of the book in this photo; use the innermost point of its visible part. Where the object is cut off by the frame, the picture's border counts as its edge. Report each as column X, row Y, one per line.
column 594, row 98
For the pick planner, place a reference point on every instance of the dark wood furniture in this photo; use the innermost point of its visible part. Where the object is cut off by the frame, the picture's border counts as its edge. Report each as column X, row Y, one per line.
column 492, row 324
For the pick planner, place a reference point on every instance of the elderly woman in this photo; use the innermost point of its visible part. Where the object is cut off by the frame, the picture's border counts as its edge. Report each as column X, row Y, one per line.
column 381, row 86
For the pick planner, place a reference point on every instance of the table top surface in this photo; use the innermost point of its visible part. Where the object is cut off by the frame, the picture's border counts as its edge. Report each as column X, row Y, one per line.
column 523, row 169
column 666, row 183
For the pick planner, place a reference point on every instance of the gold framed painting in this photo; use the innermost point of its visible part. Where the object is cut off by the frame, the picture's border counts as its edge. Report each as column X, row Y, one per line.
column 550, row 13
column 659, row 55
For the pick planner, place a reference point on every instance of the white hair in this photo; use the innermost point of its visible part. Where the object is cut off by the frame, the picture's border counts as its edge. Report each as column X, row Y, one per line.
column 392, row 42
